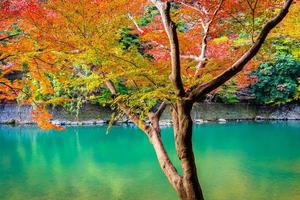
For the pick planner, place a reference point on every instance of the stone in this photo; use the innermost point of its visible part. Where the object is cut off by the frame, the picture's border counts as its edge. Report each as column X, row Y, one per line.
column 74, row 124
column 258, row 118
column 55, row 122
column 100, row 122
column 199, row 121
column 222, row 120
column 165, row 123
column 88, row 122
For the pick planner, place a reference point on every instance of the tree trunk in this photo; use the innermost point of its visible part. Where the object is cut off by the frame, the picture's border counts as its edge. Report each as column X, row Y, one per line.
column 181, row 116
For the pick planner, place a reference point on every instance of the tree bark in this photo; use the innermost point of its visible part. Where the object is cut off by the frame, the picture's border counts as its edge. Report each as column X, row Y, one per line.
column 161, row 153
column 170, row 29
column 183, row 127
column 153, row 133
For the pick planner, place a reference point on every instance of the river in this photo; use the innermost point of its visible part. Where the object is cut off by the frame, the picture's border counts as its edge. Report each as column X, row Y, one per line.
column 249, row 161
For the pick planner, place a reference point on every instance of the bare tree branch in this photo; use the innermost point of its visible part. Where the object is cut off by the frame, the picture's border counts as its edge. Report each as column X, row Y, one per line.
column 253, row 9
column 206, row 28
column 8, row 37
column 10, row 87
column 192, row 57
column 135, row 23
column 14, row 90
column 170, row 28
column 4, row 58
column 202, row 58
column 160, row 110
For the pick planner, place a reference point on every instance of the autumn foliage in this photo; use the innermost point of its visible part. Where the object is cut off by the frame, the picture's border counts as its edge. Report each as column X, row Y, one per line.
column 137, row 57
column 68, row 49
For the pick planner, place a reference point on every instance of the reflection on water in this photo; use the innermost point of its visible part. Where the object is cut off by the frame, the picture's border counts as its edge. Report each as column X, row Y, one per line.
column 235, row 161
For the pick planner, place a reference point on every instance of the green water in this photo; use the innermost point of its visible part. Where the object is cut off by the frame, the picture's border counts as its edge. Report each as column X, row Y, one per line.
column 236, row 161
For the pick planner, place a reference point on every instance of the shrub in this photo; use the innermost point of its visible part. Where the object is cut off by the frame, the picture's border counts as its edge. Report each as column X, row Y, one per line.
column 277, row 81
column 227, row 93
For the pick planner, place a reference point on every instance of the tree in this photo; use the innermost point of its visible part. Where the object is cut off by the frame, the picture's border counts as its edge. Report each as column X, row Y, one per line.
column 188, row 185
column 9, row 33
column 277, row 82
column 74, row 56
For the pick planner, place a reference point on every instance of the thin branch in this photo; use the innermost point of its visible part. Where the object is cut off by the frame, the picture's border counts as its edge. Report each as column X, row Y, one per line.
column 136, row 66
column 202, row 58
column 193, row 7
column 243, row 25
column 216, row 12
column 10, row 87
column 206, row 28
column 192, row 57
column 160, row 110
column 42, row 60
column 135, row 23
column 14, row 90
column 170, row 29
column 5, row 57
column 253, row 9
column 140, row 123
column 8, row 37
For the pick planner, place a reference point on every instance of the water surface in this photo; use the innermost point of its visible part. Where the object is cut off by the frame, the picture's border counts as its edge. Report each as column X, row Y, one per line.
column 246, row 161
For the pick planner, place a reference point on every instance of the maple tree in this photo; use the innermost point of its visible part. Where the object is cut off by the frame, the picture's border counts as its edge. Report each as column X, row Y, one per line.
column 10, row 32
column 285, row 36
column 121, row 53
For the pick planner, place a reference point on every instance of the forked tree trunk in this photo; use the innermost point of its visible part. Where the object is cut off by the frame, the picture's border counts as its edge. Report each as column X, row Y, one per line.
column 187, row 185
column 181, row 116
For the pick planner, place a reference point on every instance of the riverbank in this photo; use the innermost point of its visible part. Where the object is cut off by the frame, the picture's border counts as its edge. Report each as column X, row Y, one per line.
column 201, row 113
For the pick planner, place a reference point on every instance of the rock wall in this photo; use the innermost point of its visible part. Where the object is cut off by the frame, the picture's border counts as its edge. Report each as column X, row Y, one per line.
column 201, row 112
column 243, row 111
column 11, row 113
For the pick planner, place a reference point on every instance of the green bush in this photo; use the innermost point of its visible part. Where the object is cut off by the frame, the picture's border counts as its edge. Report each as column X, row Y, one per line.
column 227, row 93
column 277, row 81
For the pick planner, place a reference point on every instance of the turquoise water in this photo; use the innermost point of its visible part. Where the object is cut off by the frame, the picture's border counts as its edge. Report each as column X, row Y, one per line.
column 236, row 161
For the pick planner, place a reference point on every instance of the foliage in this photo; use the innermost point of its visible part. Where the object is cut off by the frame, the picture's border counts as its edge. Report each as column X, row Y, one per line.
column 277, row 81
column 284, row 46
column 150, row 12
column 76, row 51
column 290, row 25
column 297, row 96
column 129, row 39
column 69, row 54
column 228, row 93
column 285, row 38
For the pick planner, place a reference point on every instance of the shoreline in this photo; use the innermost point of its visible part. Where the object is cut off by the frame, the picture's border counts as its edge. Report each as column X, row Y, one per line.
column 163, row 123
column 201, row 113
